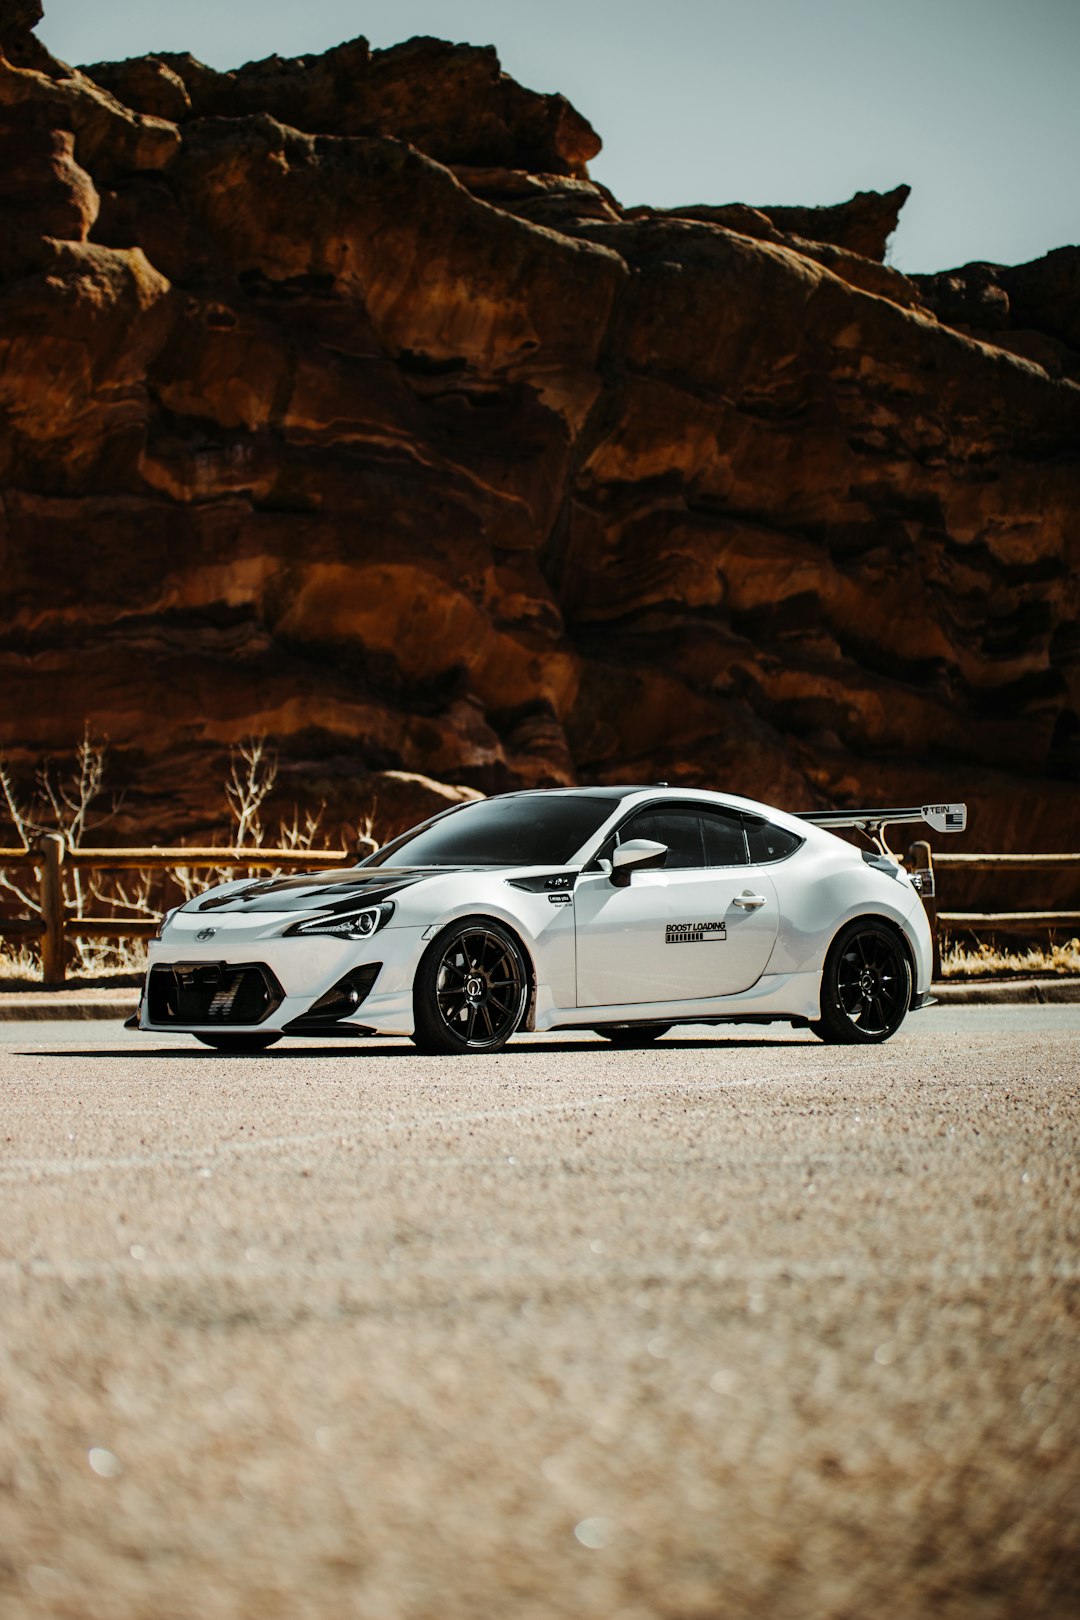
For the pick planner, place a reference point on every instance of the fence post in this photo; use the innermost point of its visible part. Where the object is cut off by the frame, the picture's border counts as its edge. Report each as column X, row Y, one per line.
column 923, row 862
column 51, row 846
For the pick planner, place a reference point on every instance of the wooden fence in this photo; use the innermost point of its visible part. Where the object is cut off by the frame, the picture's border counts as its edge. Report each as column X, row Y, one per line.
column 58, row 920
column 927, row 865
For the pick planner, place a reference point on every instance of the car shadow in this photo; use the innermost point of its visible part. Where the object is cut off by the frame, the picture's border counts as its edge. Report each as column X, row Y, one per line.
column 360, row 1049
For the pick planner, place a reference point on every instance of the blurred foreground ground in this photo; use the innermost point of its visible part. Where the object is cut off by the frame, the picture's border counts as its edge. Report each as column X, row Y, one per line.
column 742, row 1326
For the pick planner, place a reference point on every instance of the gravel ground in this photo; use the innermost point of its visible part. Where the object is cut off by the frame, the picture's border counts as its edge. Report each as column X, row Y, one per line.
column 735, row 1327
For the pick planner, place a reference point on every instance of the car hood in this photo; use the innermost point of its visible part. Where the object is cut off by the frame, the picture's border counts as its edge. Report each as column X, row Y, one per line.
column 321, row 891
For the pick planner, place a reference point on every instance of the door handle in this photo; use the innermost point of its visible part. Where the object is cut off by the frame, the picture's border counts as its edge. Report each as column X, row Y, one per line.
column 747, row 901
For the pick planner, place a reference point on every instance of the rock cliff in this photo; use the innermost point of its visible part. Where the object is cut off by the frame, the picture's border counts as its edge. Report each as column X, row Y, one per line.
column 340, row 405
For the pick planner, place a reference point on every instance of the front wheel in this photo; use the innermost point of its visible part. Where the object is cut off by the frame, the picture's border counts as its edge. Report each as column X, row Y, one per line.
column 472, row 989
column 632, row 1035
column 236, row 1042
column 865, row 987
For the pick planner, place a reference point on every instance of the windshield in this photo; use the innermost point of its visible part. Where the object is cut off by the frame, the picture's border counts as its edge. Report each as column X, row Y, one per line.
column 530, row 829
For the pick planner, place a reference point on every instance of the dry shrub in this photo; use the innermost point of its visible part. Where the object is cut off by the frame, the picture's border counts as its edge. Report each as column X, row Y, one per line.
column 961, row 959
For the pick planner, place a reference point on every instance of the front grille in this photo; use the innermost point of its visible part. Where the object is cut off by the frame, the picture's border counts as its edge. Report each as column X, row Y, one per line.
column 213, row 993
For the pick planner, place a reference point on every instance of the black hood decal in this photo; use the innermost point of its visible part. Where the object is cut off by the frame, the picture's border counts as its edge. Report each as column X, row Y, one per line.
column 324, row 891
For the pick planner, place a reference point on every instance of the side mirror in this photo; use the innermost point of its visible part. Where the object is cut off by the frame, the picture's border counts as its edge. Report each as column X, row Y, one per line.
column 635, row 854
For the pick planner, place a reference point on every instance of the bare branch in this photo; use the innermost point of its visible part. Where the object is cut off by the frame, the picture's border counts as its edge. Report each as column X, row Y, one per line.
column 19, row 816
column 90, row 772
column 64, row 803
column 114, row 892
column 8, row 884
column 365, row 830
column 253, row 770
column 291, row 835
column 53, row 797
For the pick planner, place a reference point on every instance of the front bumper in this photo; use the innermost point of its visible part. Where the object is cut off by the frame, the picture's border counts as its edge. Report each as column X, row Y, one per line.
column 199, row 987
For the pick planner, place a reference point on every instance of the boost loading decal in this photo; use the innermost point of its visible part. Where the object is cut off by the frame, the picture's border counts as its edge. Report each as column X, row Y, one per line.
column 694, row 933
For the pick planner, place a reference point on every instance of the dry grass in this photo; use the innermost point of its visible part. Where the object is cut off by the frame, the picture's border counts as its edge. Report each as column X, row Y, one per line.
column 18, row 965
column 123, row 962
column 964, row 961
column 93, row 960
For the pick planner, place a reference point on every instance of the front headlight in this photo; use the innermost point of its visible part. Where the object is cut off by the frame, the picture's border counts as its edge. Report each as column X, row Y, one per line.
column 166, row 920
column 348, row 925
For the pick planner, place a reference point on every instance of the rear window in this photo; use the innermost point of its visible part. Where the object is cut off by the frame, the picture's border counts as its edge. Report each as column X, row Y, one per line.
column 769, row 842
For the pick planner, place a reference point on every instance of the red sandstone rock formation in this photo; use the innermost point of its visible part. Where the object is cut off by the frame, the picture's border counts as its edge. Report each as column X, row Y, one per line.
column 339, row 404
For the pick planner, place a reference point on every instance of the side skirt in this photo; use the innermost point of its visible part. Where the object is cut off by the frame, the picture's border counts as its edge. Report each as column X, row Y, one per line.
column 796, row 1022
column 775, row 997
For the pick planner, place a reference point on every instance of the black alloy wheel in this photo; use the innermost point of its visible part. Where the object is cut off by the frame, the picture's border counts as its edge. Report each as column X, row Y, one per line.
column 472, row 989
column 631, row 1035
column 866, row 985
column 234, row 1041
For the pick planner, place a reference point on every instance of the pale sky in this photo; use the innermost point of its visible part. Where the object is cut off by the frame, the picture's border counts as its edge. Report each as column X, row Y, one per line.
column 975, row 103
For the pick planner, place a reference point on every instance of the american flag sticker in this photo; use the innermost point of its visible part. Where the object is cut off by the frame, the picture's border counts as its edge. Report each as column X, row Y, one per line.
column 949, row 818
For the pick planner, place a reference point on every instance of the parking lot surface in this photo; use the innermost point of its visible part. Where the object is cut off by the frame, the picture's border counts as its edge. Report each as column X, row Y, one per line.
column 743, row 1325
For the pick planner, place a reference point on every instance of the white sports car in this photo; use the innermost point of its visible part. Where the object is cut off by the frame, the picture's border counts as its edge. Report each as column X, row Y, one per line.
column 622, row 910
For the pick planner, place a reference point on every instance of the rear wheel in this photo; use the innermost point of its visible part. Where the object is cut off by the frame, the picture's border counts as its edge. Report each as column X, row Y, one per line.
column 234, row 1041
column 472, row 989
column 865, row 987
column 631, row 1035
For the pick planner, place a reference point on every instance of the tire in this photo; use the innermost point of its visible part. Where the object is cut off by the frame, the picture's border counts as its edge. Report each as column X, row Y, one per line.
column 865, row 986
column 631, row 1035
column 471, row 990
column 233, row 1041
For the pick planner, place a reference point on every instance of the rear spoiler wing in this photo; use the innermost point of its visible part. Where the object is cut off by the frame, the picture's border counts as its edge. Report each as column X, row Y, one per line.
column 945, row 818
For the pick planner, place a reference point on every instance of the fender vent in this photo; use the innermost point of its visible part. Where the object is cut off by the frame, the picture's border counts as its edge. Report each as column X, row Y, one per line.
column 341, row 1001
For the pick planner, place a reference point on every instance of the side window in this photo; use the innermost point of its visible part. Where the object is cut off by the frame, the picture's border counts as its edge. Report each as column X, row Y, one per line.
column 769, row 843
column 679, row 829
column 724, row 841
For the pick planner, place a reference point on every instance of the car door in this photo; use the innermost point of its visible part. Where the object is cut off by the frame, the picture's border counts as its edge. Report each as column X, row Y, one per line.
column 701, row 926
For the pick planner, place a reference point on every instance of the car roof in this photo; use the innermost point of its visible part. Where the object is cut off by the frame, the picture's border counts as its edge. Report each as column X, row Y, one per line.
column 617, row 790
column 666, row 792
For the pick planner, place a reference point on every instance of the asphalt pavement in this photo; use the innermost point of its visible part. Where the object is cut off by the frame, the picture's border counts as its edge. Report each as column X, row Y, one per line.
column 743, row 1325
